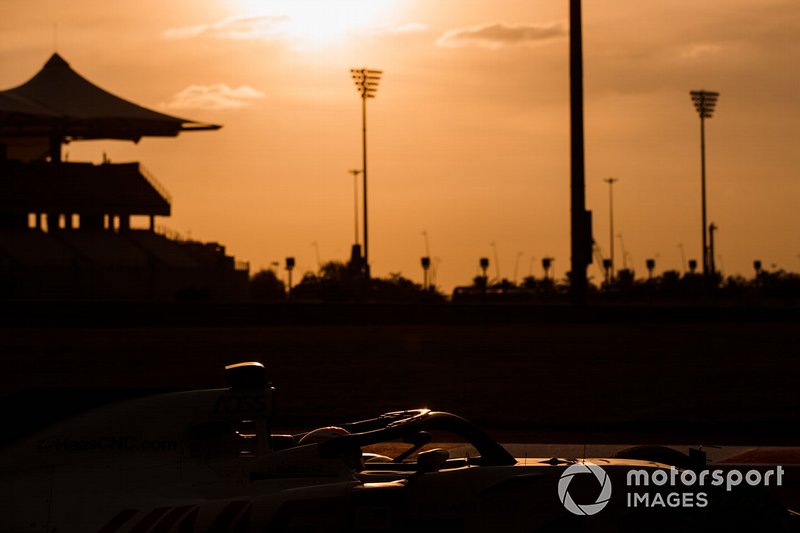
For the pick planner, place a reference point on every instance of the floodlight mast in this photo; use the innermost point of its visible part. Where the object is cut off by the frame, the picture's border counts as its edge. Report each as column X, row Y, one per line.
column 366, row 81
column 580, row 218
column 704, row 102
column 355, row 173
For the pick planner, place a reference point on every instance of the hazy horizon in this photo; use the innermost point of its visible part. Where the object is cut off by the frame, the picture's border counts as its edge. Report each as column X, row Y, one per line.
column 468, row 134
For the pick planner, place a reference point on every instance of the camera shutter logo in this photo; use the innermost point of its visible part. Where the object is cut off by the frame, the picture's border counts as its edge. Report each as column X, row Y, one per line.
column 602, row 498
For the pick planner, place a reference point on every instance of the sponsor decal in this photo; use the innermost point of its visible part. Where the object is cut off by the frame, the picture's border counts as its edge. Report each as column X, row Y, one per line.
column 241, row 403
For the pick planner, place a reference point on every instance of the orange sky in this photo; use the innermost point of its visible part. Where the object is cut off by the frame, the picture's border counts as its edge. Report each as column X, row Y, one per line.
column 469, row 133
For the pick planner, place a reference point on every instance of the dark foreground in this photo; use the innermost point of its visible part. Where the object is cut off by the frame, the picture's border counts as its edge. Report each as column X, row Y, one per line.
column 536, row 374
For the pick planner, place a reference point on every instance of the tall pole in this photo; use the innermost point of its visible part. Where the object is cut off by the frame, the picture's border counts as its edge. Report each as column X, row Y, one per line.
column 624, row 253
column 578, row 216
column 355, row 174
column 516, row 267
column 366, row 81
column 712, row 268
column 611, row 182
column 364, row 175
column 289, row 267
column 704, row 102
column 703, row 191
column 426, row 262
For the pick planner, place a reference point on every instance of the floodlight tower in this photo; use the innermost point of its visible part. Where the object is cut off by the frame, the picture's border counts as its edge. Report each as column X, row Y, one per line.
column 704, row 102
column 355, row 173
column 366, row 81
column 580, row 218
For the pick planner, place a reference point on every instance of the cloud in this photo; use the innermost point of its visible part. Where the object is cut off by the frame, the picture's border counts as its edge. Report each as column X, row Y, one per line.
column 215, row 97
column 697, row 51
column 241, row 28
column 498, row 35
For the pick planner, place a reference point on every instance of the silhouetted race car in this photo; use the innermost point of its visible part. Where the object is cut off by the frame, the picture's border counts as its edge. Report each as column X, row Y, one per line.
column 207, row 461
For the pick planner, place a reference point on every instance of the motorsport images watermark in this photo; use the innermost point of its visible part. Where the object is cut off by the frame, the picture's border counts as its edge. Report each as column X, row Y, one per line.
column 660, row 488
column 579, row 469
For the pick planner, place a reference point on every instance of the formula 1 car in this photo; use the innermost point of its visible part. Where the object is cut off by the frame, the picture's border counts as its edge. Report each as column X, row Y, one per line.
column 207, row 461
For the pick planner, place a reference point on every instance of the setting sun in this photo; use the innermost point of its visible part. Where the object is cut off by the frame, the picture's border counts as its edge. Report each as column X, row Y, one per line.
column 310, row 22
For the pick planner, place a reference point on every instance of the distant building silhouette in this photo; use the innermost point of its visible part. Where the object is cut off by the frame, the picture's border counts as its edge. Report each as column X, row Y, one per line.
column 65, row 227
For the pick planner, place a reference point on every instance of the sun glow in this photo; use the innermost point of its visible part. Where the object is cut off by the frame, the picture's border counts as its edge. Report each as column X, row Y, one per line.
column 318, row 22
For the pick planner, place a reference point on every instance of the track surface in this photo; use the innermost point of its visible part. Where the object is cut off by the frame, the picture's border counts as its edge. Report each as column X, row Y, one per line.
column 556, row 381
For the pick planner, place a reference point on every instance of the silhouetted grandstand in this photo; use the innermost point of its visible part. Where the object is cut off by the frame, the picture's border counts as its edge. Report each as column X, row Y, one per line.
column 65, row 227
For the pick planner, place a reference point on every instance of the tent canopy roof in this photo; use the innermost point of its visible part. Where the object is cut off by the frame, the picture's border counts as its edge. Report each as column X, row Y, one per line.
column 59, row 102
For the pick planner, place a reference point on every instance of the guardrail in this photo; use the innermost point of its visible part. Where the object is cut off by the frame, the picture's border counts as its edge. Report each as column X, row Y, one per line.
column 170, row 233
column 155, row 183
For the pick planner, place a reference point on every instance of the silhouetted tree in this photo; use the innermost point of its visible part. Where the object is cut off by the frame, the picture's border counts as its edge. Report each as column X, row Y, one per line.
column 503, row 285
column 670, row 280
column 336, row 281
column 625, row 278
column 542, row 287
column 778, row 284
column 396, row 288
column 335, row 271
column 480, row 282
column 265, row 285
